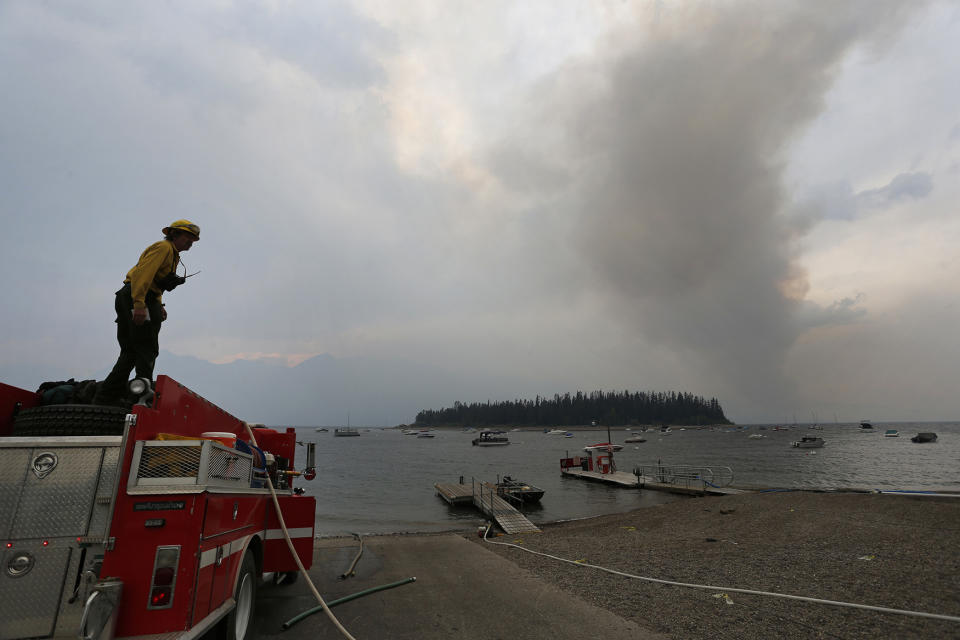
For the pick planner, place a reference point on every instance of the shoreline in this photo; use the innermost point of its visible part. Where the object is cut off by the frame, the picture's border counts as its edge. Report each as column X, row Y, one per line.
column 895, row 551
column 898, row 552
column 481, row 519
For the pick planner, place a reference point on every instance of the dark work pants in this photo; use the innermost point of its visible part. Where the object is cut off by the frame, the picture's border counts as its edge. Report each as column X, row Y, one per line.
column 139, row 345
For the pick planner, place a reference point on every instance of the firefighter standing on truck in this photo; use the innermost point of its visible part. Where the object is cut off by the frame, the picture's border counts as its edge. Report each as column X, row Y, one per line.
column 140, row 309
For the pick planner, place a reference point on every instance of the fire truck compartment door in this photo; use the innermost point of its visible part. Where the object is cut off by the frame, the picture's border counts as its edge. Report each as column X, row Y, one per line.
column 56, row 488
column 31, row 578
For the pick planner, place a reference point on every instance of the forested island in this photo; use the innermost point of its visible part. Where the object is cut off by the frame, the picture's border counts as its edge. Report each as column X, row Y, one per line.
column 600, row 407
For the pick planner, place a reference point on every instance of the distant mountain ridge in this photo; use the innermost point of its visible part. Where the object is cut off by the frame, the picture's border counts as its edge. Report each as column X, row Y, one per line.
column 318, row 391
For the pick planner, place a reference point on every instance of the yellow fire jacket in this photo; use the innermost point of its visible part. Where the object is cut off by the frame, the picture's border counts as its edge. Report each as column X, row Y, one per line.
column 155, row 262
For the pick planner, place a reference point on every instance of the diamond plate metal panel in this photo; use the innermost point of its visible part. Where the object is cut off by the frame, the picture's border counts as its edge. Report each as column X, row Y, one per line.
column 13, row 469
column 59, row 504
column 29, row 601
column 104, row 494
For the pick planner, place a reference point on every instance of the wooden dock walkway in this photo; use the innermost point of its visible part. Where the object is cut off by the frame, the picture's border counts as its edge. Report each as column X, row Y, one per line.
column 486, row 499
column 455, row 493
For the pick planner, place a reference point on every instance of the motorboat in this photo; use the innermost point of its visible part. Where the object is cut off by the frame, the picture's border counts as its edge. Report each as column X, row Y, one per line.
column 756, row 436
column 603, row 446
column 809, row 442
column 635, row 439
column 491, row 438
column 425, row 434
column 518, row 491
column 322, row 430
column 866, row 426
column 568, row 434
column 557, row 432
column 924, row 436
column 891, row 433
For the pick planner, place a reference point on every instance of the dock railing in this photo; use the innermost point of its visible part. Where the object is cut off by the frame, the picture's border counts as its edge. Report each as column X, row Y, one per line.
column 691, row 477
column 484, row 494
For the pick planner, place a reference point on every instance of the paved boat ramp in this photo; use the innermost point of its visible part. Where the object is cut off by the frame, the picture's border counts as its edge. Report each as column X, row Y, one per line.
column 483, row 496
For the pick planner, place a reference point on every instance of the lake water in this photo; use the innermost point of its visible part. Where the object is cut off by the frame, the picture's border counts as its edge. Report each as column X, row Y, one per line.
column 382, row 481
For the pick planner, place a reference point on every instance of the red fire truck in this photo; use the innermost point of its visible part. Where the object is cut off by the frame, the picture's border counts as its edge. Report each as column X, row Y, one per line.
column 152, row 520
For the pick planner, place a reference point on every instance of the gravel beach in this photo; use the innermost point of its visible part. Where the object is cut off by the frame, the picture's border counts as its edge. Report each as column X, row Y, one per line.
column 890, row 551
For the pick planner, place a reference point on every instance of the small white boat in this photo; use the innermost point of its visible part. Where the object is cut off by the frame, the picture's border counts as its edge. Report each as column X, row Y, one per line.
column 891, row 433
column 756, row 436
column 603, row 446
column 425, row 434
column 809, row 442
column 568, row 434
column 557, row 432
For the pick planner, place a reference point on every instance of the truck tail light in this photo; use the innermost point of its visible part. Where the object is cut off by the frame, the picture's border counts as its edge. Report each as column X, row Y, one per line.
column 164, row 577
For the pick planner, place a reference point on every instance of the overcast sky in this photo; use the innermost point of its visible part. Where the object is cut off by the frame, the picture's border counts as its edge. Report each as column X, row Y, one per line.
column 750, row 200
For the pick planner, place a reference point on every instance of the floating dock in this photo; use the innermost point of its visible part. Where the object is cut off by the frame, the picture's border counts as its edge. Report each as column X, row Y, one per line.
column 628, row 480
column 483, row 495
column 680, row 479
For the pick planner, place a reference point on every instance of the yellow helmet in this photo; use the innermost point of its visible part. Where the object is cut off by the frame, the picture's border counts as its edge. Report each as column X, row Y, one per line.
column 183, row 225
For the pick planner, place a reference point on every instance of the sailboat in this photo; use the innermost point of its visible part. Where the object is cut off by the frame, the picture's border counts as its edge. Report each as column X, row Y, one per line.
column 816, row 423
column 346, row 431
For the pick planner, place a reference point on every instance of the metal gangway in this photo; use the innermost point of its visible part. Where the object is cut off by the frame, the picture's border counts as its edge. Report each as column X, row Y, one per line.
column 502, row 512
column 707, row 479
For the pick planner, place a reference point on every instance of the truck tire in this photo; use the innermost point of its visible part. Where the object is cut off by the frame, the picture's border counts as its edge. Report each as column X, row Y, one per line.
column 239, row 622
column 70, row 420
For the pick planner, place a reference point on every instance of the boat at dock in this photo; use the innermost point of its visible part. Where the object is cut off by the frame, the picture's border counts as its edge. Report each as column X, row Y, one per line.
column 809, row 442
column 924, row 436
column 491, row 439
column 518, row 491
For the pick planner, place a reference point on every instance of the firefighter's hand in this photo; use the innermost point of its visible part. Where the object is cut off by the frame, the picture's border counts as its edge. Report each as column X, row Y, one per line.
column 163, row 313
column 139, row 316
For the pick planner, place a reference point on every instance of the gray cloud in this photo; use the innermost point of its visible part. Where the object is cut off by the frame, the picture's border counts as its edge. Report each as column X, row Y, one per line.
column 843, row 311
column 838, row 201
column 905, row 186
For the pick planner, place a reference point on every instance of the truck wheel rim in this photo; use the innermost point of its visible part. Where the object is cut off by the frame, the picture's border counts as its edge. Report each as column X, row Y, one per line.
column 244, row 602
